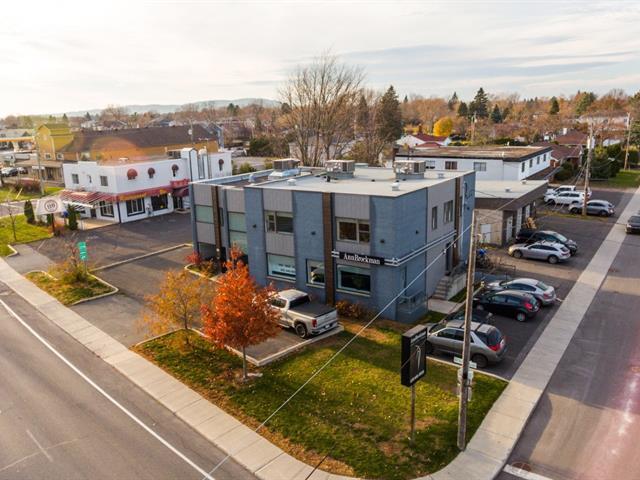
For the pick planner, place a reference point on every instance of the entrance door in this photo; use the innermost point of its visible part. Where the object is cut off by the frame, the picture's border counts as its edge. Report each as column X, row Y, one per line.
column 508, row 231
column 177, row 202
column 93, row 213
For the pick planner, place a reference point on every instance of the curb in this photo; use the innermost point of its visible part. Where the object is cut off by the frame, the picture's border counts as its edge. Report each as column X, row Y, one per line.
column 140, row 257
column 13, row 253
column 113, row 291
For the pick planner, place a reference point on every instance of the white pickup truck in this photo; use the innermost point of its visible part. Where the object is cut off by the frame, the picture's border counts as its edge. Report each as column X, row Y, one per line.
column 564, row 194
column 307, row 318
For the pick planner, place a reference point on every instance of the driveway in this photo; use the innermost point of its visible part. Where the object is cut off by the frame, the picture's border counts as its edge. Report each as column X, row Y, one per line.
column 122, row 241
column 589, row 233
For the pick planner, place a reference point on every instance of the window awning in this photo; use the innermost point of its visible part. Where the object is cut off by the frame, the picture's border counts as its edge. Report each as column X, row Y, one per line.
column 181, row 192
column 85, row 199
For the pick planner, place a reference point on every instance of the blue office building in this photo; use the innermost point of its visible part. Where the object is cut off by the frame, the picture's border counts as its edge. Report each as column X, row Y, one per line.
column 346, row 232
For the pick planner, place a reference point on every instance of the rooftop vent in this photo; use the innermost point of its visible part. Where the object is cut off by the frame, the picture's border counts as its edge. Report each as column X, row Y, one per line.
column 291, row 182
column 409, row 169
column 395, row 186
column 340, row 168
column 284, row 167
column 440, row 174
column 508, row 190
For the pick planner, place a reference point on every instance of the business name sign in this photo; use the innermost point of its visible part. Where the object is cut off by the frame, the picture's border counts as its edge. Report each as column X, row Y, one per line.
column 355, row 257
column 413, row 364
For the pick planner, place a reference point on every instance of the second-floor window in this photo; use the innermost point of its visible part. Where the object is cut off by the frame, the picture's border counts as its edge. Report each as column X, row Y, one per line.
column 450, row 165
column 448, row 212
column 352, row 230
column 75, row 179
column 104, row 182
column 480, row 166
column 279, row 222
column 434, row 218
column 523, row 166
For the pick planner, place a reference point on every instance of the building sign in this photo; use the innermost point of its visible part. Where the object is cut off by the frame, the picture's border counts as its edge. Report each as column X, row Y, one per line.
column 413, row 364
column 356, row 257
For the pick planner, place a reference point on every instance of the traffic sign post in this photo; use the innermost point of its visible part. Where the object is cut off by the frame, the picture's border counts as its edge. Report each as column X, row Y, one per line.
column 82, row 253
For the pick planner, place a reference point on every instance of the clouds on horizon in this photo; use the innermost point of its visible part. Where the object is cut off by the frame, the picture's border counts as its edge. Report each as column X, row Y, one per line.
column 83, row 57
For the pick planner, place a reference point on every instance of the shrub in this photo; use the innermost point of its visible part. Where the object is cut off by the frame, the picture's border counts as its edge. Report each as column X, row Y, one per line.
column 195, row 258
column 565, row 172
column 27, row 185
column 73, row 218
column 72, row 270
column 28, row 212
column 244, row 168
column 357, row 311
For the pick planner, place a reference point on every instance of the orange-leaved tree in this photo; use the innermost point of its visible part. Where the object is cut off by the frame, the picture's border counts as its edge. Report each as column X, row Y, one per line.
column 240, row 314
column 443, row 127
column 178, row 302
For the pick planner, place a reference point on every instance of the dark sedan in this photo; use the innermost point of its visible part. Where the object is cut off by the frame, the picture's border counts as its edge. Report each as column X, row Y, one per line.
column 633, row 224
column 509, row 303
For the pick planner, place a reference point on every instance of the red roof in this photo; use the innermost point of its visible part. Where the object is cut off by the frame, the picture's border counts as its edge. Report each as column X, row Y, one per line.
column 572, row 137
column 561, row 152
column 429, row 145
column 430, row 138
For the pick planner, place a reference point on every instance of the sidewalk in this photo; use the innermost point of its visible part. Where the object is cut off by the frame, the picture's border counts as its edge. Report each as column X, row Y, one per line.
column 487, row 451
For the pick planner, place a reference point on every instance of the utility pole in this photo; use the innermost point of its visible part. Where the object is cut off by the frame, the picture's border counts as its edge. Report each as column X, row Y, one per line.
column 464, row 381
column 35, row 139
column 626, row 153
column 587, row 173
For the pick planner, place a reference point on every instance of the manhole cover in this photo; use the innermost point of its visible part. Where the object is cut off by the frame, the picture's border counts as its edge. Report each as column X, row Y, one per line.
column 522, row 466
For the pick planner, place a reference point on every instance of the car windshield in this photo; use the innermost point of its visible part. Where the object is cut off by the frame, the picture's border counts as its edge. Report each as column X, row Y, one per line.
column 561, row 237
column 542, row 285
column 635, row 219
column 436, row 328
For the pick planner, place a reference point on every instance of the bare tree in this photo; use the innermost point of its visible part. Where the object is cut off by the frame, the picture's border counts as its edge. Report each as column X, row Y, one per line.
column 369, row 143
column 322, row 98
column 115, row 113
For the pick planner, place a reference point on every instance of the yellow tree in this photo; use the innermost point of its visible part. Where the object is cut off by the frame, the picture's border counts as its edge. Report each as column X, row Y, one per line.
column 240, row 314
column 443, row 127
column 177, row 303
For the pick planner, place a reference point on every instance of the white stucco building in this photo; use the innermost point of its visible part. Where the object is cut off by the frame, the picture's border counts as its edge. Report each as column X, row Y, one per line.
column 489, row 162
column 124, row 190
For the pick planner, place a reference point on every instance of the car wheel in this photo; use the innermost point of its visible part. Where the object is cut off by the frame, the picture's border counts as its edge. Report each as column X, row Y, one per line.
column 429, row 348
column 604, row 214
column 517, row 254
column 552, row 259
column 301, row 330
column 521, row 317
column 480, row 360
column 573, row 210
column 551, row 202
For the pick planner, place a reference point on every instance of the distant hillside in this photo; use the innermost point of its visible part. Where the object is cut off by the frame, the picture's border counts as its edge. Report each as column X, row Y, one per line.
column 243, row 102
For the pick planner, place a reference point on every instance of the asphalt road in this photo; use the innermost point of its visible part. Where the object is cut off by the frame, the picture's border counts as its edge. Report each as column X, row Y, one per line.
column 587, row 423
column 54, row 425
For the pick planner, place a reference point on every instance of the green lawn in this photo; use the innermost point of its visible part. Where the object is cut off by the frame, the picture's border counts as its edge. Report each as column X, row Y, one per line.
column 7, row 192
column 355, row 411
column 25, row 232
column 65, row 293
column 624, row 179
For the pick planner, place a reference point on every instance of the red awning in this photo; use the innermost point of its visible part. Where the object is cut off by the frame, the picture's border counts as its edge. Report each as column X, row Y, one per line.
column 181, row 192
column 179, row 183
column 86, row 198
column 150, row 192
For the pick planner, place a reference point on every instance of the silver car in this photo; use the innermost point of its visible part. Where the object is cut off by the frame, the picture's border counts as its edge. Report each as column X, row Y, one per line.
column 488, row 345
column 595, row 207
column 546, row 294
column 551, row 252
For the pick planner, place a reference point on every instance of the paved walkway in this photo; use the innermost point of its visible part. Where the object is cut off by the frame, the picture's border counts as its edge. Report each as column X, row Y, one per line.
column 28, row 259
column 443, row 306
column 487, row 451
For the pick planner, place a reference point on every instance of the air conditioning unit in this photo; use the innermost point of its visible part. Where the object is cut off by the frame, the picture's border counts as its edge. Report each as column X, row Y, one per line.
column 409, row 168
column 283, row 164
column 340, row 168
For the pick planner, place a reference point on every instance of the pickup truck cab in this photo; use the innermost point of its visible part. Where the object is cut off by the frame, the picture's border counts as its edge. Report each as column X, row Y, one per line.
column 307, row 318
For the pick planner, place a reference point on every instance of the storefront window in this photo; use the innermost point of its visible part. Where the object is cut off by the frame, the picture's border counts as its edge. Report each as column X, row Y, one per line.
column 281, row 266
column 106, row 209
column 135, row 207
column 160, row 202
column 354, row 279
column 315, row 272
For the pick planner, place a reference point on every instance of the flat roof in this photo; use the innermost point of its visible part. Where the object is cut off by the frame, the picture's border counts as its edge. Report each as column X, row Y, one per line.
column 366, row 181
column 488, row 152
column 498, row 188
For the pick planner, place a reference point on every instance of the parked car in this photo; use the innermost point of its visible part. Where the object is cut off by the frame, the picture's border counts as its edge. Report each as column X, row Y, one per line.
column 509, row 303
column 9, row 171
column 564, row 198
column 595, row 207
column 633, row 224
column 529, row 235
column 307, row 318
column 478, row 316
column 22, row 171
column 565, row 188
column 551, row 252
column 544, row 293
column 488, row 345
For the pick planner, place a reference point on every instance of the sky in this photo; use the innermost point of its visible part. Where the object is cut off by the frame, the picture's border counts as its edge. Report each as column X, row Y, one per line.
column 67, row 55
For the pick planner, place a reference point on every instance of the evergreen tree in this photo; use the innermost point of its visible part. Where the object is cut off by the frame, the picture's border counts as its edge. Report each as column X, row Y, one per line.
column 28, row 212
column 362, row 113
column 87, row 116
column 65, row 119
column 452, row 101
column 480, row 104
column 406, row 100
column 635, row 133
column 584, row 102
column 72, row 218
column 496, row 116
column 390, row 116
column 554, row 108
column 463, row 111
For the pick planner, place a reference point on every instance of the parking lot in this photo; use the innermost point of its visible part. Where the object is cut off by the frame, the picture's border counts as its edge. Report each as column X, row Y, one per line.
column 589, row 234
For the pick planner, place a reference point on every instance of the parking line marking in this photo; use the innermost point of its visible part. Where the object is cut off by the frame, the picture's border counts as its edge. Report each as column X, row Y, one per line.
column 518, row 472
column 99, row 389
column 42, row 450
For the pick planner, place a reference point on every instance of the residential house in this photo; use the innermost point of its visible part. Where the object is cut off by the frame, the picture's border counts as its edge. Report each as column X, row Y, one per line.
column 417, row 139
column 50, row 139
column 562, row 153
column 571, row 138
column 126, row 190
column 490, row 162
column 355, row 233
